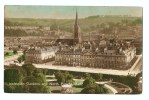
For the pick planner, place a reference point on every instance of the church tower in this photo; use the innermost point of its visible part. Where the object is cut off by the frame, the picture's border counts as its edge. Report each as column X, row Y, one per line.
column 77, row 35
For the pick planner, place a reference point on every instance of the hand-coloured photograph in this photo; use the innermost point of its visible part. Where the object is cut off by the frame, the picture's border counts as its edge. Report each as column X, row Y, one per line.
column 73, row 49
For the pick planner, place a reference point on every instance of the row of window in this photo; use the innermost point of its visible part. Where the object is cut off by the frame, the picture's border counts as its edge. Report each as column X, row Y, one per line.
column 89, row 56
column 94, row 59
column 92, row 64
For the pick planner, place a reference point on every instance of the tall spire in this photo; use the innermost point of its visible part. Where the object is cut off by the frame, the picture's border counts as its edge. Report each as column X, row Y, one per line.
column 76, row 17
column 77, row 35
column 76, row 21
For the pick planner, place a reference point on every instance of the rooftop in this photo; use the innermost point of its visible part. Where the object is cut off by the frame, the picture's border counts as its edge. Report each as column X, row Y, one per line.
column 90, row 47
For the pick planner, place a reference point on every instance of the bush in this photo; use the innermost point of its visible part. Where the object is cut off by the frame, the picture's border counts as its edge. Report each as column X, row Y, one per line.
column 22, row 75
column 15, row 51
column 88, row 81
column 21, row 58
column 64, row 77
column 94, row 89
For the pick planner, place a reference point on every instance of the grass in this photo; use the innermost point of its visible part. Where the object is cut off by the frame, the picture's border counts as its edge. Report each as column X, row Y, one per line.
column 8, row 55
column 76, row 88
column 57, row 89
column 78, row 82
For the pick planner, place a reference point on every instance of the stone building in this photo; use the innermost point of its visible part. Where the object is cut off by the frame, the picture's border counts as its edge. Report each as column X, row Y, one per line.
column 40, row 55
column 111, row 57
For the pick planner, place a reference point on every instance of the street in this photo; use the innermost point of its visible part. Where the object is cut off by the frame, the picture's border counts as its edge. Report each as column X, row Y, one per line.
column 134, row 70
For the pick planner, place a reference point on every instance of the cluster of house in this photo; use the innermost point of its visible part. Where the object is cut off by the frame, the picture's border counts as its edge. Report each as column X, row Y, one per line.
column 23, row 43
column 26, row 27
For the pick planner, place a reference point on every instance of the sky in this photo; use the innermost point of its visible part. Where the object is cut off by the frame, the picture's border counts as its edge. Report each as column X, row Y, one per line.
column 67, row 12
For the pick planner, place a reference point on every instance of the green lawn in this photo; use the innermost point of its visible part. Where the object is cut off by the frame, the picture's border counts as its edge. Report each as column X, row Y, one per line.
column 52, row 88
column 8, row 54
column 76, row 90
column 76, row 87
column 78, row 82
column 58, row 89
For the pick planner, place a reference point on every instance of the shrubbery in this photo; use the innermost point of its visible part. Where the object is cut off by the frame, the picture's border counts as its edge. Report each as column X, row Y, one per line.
column 25, row 79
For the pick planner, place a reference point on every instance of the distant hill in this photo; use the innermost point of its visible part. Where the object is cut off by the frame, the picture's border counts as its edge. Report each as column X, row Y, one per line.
column 87, row 24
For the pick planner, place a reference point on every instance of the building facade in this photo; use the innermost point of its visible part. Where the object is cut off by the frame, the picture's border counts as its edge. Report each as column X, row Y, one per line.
column 98, row 57
column 40, row 55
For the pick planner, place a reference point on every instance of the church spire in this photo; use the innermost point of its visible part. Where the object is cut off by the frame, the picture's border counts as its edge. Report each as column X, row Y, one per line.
column 77, row 35
column 76, row 21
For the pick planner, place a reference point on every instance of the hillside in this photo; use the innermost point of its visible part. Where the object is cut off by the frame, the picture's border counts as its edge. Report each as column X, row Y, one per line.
column 92, row 23
column 84, row 22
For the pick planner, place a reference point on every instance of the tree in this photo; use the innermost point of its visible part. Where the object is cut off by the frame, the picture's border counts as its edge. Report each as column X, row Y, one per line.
column 88, row 90
column 6, row 54
column 29, row 68
column 36, row 83
column 68, row 77
column 8, row 88
column 63, row 77
column 12, row 75
column 7, row 23
column 94, row 89
column 38, row 79
column 88, row 81
column 15, row 51
column 33, row 80
column 138, row 51
column 100, row 89
column 21, row 58
column 87, row 75
column 60, row 77
column 54, row 27
column 98, row 77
